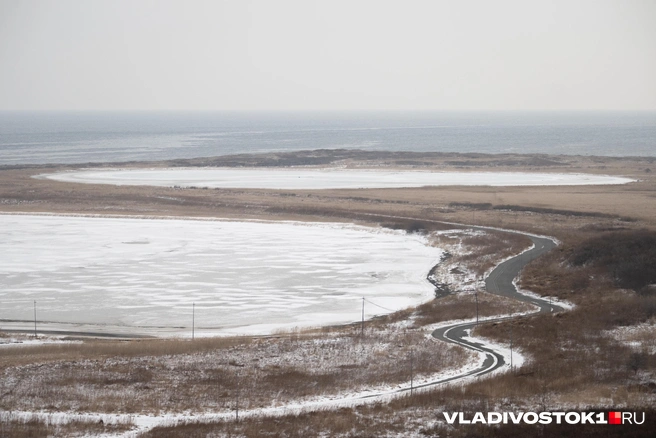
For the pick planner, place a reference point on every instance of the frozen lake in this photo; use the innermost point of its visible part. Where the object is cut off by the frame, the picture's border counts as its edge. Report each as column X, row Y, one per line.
column 142, row 275
column 291, row 179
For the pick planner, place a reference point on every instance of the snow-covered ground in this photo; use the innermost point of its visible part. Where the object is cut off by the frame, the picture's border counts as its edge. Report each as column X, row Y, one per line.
column 25, row 340
column 144, row 276
column 323, row 178
column 377, row 394
column 641, row 337
column 553, row 300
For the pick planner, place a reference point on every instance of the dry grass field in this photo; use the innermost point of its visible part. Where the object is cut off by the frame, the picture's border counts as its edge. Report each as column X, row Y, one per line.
column 598, row 356
column 19, row 192
column 31, row 426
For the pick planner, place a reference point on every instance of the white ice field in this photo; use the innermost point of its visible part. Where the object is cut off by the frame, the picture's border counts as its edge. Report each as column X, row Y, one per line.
column 290, row 179
column 143, row 275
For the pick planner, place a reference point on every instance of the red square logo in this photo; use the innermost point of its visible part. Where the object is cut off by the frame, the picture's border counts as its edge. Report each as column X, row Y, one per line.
column 614, row 418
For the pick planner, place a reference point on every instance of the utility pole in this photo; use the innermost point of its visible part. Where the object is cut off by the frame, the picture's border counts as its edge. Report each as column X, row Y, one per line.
column 511, row 354
column 412, row 374
column 476, row 296
column 550, row 306
column 237, row 400
column 35, row 318
column 193, row 320
column 362, row 325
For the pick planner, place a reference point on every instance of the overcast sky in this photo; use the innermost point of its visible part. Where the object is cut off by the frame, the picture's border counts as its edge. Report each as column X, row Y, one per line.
column 327, row 55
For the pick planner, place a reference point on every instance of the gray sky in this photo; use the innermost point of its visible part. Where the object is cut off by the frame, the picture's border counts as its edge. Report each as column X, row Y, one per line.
column 327, row 55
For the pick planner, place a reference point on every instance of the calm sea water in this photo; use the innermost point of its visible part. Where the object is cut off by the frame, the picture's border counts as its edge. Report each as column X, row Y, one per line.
column 69, row 137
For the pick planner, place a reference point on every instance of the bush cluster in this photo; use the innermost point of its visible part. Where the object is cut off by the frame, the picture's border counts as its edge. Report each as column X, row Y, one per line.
column 628, row 256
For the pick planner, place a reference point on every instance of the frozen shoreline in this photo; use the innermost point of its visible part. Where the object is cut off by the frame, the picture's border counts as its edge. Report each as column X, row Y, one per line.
column 293, row 178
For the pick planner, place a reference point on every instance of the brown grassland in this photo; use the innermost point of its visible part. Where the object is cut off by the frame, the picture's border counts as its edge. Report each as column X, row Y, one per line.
column 598, row 356
column 32, row 426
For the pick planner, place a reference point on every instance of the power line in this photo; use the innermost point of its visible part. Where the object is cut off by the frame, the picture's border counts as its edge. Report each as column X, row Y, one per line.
column 378, row 305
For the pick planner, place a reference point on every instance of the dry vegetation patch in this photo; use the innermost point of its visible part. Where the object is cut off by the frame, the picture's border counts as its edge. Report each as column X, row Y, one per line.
column 592, row 271
column 30, row 426
column 265, row 371
column 463, row 306
column 641, row 337
column 404, row 418
column 474, row 252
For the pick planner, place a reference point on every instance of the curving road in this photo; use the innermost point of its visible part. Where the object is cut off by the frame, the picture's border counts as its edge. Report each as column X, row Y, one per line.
column 500, row 282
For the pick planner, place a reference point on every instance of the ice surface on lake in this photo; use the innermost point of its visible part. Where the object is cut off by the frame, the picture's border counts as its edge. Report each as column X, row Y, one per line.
column 244, row 277
column 324, row 178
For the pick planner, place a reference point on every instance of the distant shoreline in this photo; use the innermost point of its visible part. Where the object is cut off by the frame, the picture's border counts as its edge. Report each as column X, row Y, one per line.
column 119, row 137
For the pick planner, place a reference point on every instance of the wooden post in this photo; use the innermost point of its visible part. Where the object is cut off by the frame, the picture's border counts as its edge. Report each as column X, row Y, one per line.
column 476, row 296
column 237, row 400
column 411, row 372
column 511, row 345
column 362, row 325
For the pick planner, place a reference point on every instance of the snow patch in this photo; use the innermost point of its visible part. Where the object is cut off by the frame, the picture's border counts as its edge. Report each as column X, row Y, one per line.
column 333, row 178
column 567, row 305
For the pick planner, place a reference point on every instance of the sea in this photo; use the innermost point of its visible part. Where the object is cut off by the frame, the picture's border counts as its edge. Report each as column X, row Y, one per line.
column 28, row 138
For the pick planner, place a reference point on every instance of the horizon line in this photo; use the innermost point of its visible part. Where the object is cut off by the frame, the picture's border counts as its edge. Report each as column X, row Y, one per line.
column 370, row 110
